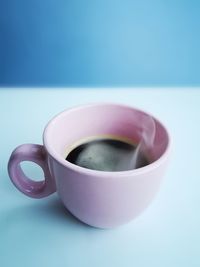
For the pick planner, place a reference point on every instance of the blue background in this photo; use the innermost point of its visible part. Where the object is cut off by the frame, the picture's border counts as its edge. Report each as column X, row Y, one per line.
column 40, row 233
column 99, row 43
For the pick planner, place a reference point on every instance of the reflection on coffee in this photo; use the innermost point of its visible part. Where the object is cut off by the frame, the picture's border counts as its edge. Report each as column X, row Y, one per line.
column 107, row 154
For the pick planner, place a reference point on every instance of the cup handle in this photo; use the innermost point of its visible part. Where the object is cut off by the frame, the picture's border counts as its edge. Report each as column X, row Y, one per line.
column 38, row 155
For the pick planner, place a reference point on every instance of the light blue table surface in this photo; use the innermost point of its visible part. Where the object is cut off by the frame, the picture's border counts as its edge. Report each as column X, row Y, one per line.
column 40, row 233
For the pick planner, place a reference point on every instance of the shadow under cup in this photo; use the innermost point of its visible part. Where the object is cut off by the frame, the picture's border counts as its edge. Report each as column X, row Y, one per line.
column 99, row 198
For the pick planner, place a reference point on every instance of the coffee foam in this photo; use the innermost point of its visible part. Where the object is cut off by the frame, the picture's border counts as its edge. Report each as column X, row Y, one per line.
column 146, row 131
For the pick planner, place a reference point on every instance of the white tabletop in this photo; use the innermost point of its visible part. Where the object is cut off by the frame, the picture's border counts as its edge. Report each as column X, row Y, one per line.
column 40, row 233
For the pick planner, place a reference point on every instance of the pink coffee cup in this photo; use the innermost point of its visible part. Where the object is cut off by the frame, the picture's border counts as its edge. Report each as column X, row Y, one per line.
column 98, row 198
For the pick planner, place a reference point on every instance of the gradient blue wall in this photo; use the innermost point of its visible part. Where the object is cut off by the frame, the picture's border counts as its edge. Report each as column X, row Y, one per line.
column 99, row 43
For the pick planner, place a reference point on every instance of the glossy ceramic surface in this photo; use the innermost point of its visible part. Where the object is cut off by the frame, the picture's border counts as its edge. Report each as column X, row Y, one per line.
column 100, row 199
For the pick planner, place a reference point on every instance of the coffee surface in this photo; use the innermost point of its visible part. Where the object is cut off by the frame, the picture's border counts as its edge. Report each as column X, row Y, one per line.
column 107, row 155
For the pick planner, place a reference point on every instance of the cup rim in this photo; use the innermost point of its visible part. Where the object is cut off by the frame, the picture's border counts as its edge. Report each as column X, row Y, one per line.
column 56, row 156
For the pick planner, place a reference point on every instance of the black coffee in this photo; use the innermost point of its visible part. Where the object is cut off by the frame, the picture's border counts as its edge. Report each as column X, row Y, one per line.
column 107, row 155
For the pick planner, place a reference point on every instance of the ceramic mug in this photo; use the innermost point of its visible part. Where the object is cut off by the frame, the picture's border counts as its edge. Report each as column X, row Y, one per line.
column 98, row 198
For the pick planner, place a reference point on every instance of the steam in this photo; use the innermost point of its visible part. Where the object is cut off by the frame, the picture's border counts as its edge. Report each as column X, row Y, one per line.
column 146, row 131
